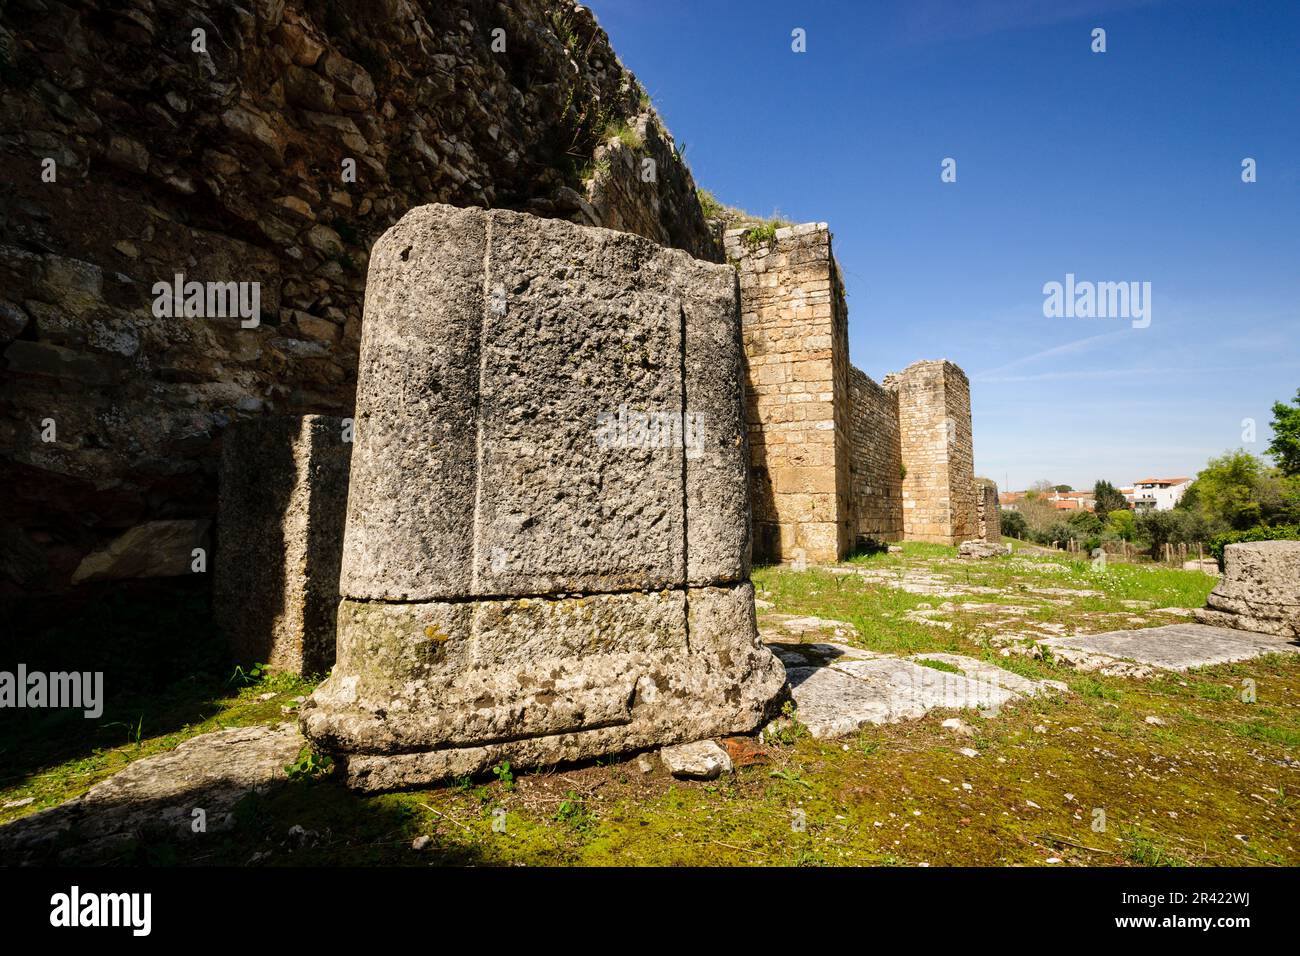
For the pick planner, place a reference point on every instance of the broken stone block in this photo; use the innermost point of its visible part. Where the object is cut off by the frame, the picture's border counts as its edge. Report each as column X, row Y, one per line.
column 982, row 549
column 701, row 760
column 546, row 555
column 155, row 549
column 283, row 497
column 1259, row 591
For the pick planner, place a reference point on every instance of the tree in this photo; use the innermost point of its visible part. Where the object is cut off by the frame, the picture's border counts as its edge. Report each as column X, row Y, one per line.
column 1121, row 524
column 1085, row 524
column 1108, row 498
column 1013, row 523
column 1168, row 527
column 1040, row 489
column 1062, row 488
column 1285, row 446
column 1233, row 492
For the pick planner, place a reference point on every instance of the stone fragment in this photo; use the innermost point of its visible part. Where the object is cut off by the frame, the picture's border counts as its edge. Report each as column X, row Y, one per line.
column 127, row 153
column 702, row 760
column 251, row 127
column 12, row 321
column 155, row 549
column 283, row 497
column 544, row 560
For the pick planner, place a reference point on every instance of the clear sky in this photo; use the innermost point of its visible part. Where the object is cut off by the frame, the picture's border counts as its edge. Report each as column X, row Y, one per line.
column 1115, row 166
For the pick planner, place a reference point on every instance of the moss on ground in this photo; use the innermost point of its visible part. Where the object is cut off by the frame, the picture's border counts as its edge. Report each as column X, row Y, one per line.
column 1178, row 769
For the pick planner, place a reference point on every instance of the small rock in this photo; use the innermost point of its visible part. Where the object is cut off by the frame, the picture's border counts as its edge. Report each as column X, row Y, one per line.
column 702, row 760
column 12, row 804
column 969, row 751
column 644, row 765
column 1154, row 720
column 420, row 842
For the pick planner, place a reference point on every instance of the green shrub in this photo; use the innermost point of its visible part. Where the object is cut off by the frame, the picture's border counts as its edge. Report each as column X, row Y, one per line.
column 1281, row 532
column 1013, row 523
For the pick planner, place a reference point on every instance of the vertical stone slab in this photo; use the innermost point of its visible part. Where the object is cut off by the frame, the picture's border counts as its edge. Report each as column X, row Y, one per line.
column 990, row 521
column 283, row 497
column 545, row 552
column 937, row 453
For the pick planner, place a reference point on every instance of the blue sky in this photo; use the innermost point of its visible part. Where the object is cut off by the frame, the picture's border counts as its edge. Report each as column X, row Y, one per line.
column 1115, row 166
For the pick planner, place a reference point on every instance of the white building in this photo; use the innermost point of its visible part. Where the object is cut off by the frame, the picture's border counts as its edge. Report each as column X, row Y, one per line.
column 1157, row 494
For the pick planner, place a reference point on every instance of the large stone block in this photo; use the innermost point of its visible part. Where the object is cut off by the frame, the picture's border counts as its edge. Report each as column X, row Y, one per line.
column 547, row 541
column 1260, row 589
column 283, row 497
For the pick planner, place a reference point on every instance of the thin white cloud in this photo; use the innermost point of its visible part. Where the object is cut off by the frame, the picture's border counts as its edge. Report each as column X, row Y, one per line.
column 1069, row 348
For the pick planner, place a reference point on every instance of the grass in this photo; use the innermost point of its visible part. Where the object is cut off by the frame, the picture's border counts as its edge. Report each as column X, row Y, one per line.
column 1212, row 783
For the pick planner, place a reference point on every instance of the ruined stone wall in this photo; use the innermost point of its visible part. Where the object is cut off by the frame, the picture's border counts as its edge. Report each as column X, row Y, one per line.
column 939, row 500
column 876, row 466
column 796, row 347
column 133, row 152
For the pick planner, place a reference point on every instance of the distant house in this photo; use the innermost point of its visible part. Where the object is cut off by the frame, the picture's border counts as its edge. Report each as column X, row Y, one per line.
column 1060, row 500
column 1073, row 501
column 1158, row 494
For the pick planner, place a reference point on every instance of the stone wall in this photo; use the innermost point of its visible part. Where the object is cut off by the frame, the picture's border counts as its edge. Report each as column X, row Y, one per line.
column 939, row 500
column 135, row 149
column 796, row 348
column 877, row 463
column 829, row 447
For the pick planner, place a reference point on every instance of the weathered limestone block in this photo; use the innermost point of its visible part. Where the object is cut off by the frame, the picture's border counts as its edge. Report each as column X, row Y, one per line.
column 982, row 549
column 546, row 555
column 283, row 497
column 1260, row 589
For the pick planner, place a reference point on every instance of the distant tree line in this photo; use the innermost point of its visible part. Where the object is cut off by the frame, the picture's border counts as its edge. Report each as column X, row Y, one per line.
column 1236, row 496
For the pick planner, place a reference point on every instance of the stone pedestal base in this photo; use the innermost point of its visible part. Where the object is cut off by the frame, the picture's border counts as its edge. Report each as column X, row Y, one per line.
column 423, row 691
column 1260, row 589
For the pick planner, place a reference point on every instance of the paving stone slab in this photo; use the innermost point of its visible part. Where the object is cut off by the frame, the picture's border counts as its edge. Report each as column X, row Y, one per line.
column 850, row 693
column 1177, row 647
column 211, row 772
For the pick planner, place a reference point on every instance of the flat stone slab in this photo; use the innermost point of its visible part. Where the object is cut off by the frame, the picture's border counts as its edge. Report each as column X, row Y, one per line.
column 1176, row 647
column 212, row 773
column 849, row 692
